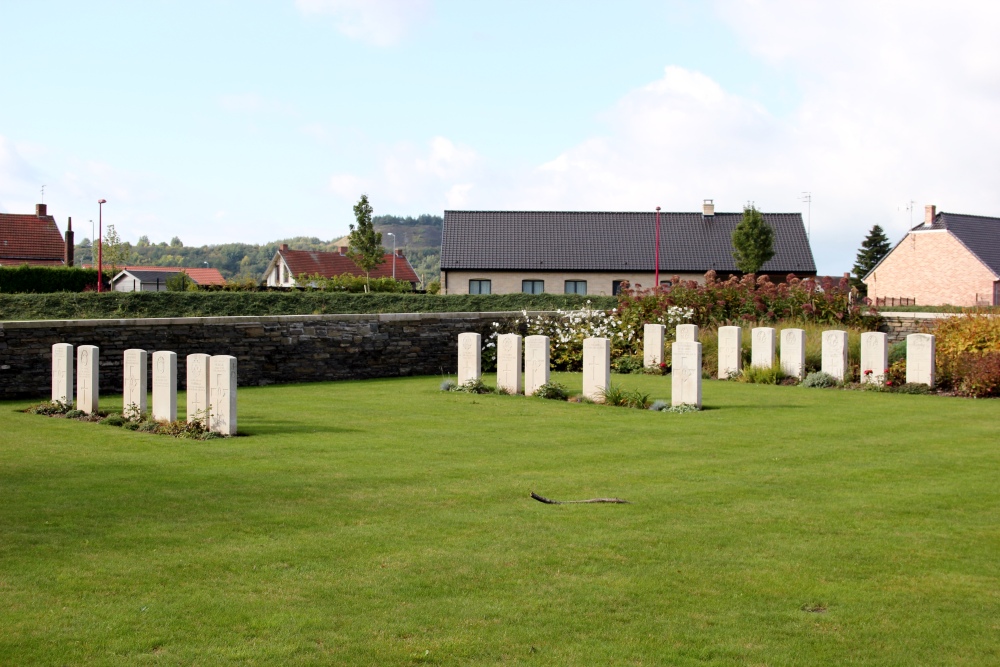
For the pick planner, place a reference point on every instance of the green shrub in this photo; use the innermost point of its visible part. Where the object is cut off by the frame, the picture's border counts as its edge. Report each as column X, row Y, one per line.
column 820, row 379
column 75, row 414
column 50, row 408
column 658, row 406
column 448, row 385
column 47, row 279
column 636, row 399
column 761, row 375
column 913, row 388
column 628, row 363
column 681, row 409
column 354, row 284
column 113, row 420
column 148, row 427
column 552, row 391
column 474, row 386
column 897, row 352
column 614, row 394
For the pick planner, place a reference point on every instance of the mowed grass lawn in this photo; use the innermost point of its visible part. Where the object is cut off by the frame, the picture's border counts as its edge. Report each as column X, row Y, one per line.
column 387, row 523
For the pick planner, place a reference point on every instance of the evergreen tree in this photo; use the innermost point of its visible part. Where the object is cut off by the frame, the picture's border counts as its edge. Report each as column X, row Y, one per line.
column 365, row 243
column 875, row 246
column 753, row 241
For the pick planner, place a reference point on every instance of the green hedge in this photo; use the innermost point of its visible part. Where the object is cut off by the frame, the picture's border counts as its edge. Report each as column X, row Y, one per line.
column 90, row 305
column 44, row 279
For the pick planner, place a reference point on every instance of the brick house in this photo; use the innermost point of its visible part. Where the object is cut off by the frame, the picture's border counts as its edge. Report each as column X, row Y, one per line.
column 34, row 239
column 948, row 259
column 288, row 264
column 500, row 252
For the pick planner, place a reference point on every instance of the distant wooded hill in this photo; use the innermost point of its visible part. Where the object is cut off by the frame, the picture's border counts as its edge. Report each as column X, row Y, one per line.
column 420, row 239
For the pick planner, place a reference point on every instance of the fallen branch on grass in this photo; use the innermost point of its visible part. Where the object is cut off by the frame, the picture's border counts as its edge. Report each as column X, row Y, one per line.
column 548, row 501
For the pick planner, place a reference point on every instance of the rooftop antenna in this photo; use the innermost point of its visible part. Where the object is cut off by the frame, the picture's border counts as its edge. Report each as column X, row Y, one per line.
column 43, row 194
column 807, row 197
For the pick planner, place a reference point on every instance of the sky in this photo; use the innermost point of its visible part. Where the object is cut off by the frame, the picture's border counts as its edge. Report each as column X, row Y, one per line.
column 252, row 120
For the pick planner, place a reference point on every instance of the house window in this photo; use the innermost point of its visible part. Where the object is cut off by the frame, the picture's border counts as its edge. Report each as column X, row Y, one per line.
column 480, row 287
column 532, row 286
column 576, row 287
column 616, row 286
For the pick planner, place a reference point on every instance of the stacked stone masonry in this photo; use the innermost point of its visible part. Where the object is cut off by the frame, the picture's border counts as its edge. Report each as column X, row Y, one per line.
column 269, row 350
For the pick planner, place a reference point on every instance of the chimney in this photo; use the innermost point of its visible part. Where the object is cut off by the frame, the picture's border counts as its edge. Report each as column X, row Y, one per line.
column 68, row 255
column 930, row 211
column 399, row 252
column 708, row 208
column 284, row 247
column 41, row 209
column 342, row 249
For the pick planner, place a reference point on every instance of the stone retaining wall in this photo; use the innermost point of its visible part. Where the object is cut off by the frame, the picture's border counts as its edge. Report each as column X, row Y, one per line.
column 899, row 325
column 281, row 349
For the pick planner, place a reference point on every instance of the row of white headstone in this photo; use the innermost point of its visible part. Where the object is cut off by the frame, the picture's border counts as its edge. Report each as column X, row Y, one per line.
column 686, row 380
column 873, row 363
column 686, row 358
column 211, row 384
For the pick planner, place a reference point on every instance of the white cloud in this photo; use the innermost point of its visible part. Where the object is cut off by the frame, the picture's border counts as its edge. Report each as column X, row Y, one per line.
column 377, row 22
column 347, row 186
column 898, row 100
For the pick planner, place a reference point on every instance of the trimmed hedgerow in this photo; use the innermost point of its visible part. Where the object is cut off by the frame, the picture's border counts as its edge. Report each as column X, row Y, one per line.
column 118, row 305
column 44, row 279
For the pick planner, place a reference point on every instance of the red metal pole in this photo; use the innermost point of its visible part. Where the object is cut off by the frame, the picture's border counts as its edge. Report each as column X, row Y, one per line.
column 657, row 247
column 100, row 244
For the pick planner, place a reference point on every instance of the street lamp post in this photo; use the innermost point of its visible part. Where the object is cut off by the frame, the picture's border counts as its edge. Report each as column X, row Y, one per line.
column 393, row 254
column 657, row 248
column 100, row 244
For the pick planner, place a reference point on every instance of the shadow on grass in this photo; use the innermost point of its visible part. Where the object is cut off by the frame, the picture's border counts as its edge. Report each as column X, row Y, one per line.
column 291, row 426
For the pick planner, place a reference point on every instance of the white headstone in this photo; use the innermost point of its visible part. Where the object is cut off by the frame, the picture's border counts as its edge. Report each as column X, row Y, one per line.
column 653, row 338
column 536, row 363
column 874, row 357
column 165, row 386
column 509, row 363
column 835, row 354
column 730, row 352
column 470, row 359
column 222, row 395
column 62, row 373
column 687, row 332
column 87, row 378
column 762, row 347
column 685, row 373
column 793, row 353
column 596, row 367
column 198, row 371
column 135, row 382
column 920, row 359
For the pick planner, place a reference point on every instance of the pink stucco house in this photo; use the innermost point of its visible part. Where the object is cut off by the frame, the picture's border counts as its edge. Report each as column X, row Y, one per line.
column 949, row 259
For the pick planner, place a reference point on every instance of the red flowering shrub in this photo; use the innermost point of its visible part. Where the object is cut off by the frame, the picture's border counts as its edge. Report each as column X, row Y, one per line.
column 978, row 374
column 751, row 298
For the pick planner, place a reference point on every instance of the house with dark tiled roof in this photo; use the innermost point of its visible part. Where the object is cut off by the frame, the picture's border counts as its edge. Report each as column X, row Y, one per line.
column 948, row 259
column 34, row 239
column 154, row 278
column 289, row 265
column 501, row 252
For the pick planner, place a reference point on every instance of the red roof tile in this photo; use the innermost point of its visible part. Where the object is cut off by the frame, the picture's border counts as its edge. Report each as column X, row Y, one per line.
column 330, row 264
column 30, row 239
column 202, row 276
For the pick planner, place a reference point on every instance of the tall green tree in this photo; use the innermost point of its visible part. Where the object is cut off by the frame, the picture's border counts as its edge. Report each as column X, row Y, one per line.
column 117, row 253
column 365, row 244
column 875, row 246
column 753, row 241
